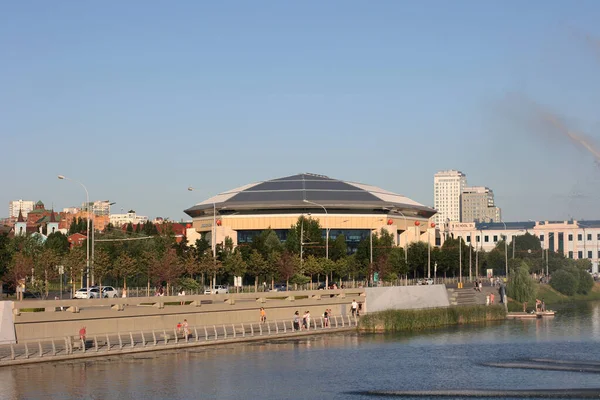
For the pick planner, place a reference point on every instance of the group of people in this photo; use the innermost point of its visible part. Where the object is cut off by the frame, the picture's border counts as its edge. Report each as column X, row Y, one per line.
column 305, row 321
column 184, row 328
column 478, row 285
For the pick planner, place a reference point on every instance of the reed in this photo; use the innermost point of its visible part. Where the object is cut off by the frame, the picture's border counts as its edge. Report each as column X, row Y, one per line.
column 414, row 320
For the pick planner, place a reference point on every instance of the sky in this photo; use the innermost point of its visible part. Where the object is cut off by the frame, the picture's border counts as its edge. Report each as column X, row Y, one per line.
column 139, row 100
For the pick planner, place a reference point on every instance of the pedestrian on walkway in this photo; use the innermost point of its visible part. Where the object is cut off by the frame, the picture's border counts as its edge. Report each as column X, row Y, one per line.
column 296, row 321
column 186, row 329
column 263, row 315
column 354, row 307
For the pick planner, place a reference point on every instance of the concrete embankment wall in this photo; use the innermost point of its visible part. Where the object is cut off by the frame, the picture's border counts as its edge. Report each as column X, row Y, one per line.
column 102, row 316
column 406, row 297
column 7, row 328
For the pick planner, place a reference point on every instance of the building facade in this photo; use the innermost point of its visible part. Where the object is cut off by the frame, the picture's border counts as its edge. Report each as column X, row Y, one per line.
column 447, row 189
column 98, row 207
column 573, row 239
column 351, row 209
column 477, row 205
column 25, row 206
column 124, row 219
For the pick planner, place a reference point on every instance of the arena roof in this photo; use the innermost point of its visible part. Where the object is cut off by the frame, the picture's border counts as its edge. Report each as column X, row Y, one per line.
column 296, row 192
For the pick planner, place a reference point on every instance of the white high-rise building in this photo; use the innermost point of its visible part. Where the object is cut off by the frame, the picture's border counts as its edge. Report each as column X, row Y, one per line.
column 98, row 207
column 447, row 188
column 19, row 205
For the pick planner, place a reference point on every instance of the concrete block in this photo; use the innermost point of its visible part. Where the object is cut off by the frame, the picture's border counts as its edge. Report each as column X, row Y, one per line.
column 50, row 309
column 261, row 300
column 230, row 301
column 73, row 309
column 290, row 298
column 196, row 303
column 118, row 307
column 316, row 297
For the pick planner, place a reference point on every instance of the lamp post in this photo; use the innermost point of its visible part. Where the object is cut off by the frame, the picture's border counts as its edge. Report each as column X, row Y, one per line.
column 87, row 232
column 326, row 226
column 505, row 249
column 213, row 242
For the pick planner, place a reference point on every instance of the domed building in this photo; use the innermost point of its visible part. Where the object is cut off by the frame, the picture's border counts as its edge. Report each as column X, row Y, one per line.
column 352, row 209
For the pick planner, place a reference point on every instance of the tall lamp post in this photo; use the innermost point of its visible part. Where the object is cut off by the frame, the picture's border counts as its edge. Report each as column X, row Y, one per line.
column 87, row 233
column 505, row 249
column 326, row 226
column 213, row 241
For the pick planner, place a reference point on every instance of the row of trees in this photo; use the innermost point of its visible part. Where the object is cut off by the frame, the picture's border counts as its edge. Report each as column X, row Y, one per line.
column 127, row 257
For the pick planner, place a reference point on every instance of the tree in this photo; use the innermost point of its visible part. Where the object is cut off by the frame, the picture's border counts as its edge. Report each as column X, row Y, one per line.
column 20, row 266
column 102, row 265
column 520, row 286
column 586, row 282
column 417, row 258
column 166, row 268
column 5, row 254
column 339, row 248
column 125, row 267
column 58, row 242
column 256, row 264
column 311, row 267
column 397, row 261
column 46, row 268
column 566, row 282
column 235, row 264
column 309, row 231
column 286, row 266
column 74, row 262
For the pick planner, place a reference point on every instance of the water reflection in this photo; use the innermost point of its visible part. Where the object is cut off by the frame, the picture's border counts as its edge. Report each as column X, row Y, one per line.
column 330, row 366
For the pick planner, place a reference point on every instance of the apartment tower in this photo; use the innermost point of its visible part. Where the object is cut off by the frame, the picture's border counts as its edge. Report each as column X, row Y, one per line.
column 447, row 189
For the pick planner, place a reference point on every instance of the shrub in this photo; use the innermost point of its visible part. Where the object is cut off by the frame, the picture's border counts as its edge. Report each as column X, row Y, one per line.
column 566, row 282
column 586, row 282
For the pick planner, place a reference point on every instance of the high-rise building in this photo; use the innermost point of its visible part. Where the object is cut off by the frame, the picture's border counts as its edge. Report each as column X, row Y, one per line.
column 19, row 205
column 477, row 205
column 98, row 207
column 447, row 188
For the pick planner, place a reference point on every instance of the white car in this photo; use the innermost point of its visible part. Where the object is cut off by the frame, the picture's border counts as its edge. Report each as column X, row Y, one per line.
column 109, row 292
column 425, row 281
column 87, row 293
column 218, row 289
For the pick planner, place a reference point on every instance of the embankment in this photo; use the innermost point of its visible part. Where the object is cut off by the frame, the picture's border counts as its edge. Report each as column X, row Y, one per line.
column 413, row 320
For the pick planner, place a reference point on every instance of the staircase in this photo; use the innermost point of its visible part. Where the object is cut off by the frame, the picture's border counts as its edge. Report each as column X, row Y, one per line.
column 463, row 297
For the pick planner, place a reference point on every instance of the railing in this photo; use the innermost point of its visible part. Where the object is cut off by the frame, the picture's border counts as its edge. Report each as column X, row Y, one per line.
column 58, row 348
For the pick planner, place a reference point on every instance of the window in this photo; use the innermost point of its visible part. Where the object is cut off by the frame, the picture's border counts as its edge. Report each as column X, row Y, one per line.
column 579, row 237
column 580, row 254
column 589, row 254
column 589, row 236
column 541, row 238
column 469, row 239
column 486, row 238
column 478, row 238
column 570, row 254
column 495, row 238
column 570, row 237
column 598, row 237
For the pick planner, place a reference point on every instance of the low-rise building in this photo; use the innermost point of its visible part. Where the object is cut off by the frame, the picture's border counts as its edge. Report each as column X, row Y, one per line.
column 124, row 219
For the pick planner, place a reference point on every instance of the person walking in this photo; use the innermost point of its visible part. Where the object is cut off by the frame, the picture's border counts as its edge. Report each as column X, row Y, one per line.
column 326, row 317
column 354, row 307
column 263, row 315
column 296, row 321
column 307, row 319
column 186, row 329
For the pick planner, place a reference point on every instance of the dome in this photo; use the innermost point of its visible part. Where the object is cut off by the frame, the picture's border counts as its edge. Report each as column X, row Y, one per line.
column 308, row 191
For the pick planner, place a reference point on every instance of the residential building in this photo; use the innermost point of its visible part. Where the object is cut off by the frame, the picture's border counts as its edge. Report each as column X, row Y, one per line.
column 477, row 205
column 98, row 207
column 130, row 217
column 24, row 206
column 447, row 189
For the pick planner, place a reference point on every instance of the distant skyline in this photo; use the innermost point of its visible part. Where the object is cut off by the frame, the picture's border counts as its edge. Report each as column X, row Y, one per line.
column 140, row 100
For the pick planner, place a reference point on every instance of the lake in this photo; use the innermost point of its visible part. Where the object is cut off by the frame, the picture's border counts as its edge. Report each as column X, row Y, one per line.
column 339, row 366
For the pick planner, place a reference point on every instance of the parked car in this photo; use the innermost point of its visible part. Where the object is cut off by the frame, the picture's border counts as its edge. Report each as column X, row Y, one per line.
column 280, row 287
column 88, row 293
column 425, row 281
column 218, row 289
column 28, row 294
column 322, row 286
column 8, row 289
column 109, row 292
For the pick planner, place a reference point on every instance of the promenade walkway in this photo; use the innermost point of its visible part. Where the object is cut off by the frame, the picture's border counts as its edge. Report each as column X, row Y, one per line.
column 121, row 343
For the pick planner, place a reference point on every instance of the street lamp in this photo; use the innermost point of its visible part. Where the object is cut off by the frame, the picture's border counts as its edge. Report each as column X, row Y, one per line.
column 326, row 227
column 213, row 242
column 87, row 233
column 505, row 249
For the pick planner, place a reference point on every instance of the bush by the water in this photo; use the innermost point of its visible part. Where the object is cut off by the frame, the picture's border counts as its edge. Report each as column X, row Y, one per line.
column 409, row 320
column 565, row 281
column 520, row 286
column 586, row 282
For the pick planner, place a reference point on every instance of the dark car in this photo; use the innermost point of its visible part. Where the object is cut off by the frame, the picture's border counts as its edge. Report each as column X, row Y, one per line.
column 8, row 289
column 280, row 287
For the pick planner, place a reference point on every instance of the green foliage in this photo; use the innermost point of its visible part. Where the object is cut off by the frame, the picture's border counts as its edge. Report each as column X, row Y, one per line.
column 417, row 259
column 308, row 230
column 411, row 320
column 520, row 286
column 565, row 281
column 58, row 242
column 188, row 284
column 338, row 248
column 586, row 282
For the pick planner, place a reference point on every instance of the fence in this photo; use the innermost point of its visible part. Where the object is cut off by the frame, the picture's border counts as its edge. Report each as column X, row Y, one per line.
column 127, row 342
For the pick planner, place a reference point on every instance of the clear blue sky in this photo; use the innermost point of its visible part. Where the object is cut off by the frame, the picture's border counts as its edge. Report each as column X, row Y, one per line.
column 141, row 99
